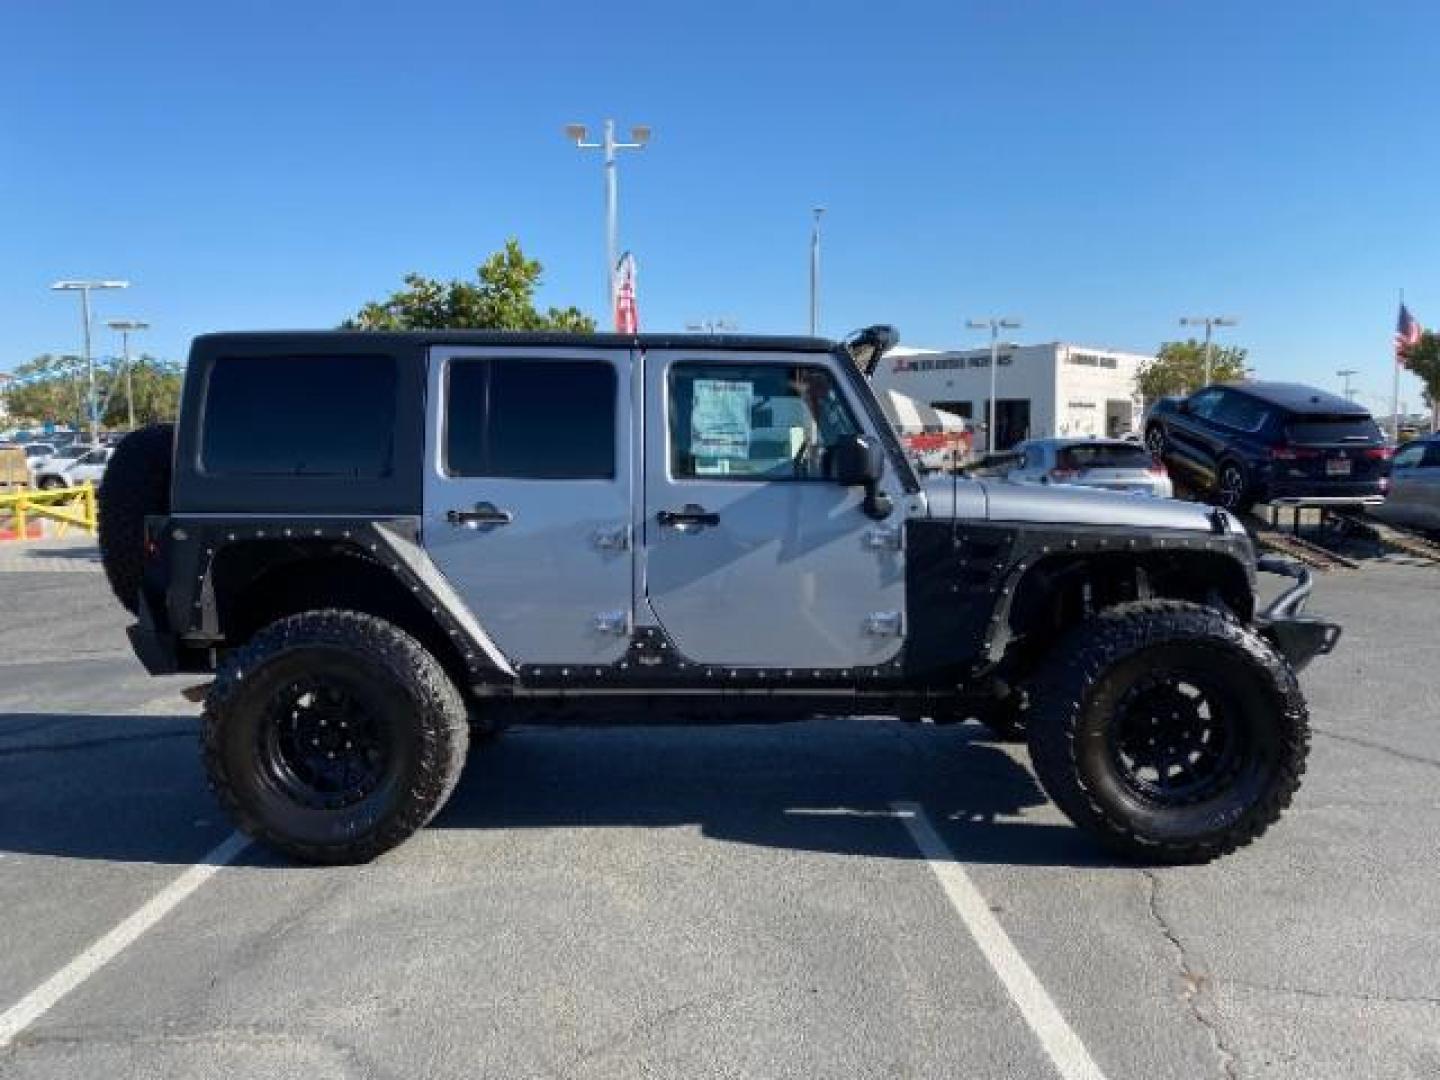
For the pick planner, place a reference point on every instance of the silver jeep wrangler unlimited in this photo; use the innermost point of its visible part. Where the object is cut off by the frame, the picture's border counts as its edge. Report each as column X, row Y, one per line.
column 381, row 544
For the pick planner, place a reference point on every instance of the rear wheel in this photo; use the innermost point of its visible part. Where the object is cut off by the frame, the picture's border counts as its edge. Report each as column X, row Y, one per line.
column 333, row 736
column 1232, row 487
column 1169, row 731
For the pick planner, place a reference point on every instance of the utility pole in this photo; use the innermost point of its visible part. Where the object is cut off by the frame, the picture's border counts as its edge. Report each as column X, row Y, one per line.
column 1345, row 374
column 639, row 137
column 1209, row 322
column 995, row 325
column 815, row 213
column 84, row 288
column 126, row 327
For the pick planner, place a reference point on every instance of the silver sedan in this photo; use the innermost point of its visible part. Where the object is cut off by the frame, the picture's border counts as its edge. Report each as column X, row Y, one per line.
column 1113, row 464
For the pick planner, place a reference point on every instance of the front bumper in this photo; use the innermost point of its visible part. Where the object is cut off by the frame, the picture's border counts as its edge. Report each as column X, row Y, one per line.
column 1296, row 636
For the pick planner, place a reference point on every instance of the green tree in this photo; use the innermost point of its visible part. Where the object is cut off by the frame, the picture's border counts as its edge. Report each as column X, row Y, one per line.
column 1423, row 360
column 502, row 299
column 52, row 390
column 1179, row 368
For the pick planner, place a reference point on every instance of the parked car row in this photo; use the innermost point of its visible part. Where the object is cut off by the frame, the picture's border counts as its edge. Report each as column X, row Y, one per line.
column 54, row 466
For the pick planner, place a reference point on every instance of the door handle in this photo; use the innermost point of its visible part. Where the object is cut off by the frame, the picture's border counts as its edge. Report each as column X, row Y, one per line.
column 687, row 517
column 486, row 515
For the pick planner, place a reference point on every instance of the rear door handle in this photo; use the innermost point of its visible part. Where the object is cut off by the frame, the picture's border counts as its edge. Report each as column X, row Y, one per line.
column 688, row 517
column 486, row 515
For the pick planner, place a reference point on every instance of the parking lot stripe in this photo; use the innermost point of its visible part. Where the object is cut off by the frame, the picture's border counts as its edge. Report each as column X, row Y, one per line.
column 1056, row 1036
column 44, row 997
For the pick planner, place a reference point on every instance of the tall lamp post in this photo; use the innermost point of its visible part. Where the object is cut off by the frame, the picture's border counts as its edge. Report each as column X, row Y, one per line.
column 84, row 288
column 995, row 325
column 1345, row 374
column 639, row 137
column 1209, row 322
column 126, row 327
column 816, row 213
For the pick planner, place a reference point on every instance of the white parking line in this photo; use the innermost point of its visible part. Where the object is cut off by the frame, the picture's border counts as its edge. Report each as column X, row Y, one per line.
column 44, row 997
column 1056, row 1036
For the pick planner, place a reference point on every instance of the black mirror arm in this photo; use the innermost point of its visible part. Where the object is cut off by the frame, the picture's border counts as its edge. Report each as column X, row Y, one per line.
column 877, row 505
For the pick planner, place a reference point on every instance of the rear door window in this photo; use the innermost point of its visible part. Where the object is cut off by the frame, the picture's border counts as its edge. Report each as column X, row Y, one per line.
column 1333, row 429
column 1241, row 412
column 531, row 419
column 300, row 416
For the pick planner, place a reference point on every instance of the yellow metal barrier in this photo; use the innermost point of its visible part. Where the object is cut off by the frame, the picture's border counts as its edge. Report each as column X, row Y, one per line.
column 69, row 506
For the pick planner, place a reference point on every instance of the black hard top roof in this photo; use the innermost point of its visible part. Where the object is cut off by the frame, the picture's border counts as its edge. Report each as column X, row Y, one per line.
column 331, row 339
column 1299, row 398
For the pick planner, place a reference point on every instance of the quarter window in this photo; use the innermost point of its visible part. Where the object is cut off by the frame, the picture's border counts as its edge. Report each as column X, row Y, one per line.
column 530, row 419
column 334, row 417
column 754, row 421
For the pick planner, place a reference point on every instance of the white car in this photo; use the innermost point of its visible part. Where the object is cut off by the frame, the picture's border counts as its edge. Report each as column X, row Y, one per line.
column 1113, row 464
column 72, row 466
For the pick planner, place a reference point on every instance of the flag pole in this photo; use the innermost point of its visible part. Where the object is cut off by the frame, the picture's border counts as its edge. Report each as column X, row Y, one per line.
column 1395, row 392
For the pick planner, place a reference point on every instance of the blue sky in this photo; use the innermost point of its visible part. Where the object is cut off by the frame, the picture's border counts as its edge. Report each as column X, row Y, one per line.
column 1098, row 169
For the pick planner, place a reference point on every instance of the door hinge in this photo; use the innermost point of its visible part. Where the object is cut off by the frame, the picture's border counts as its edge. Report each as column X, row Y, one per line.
column 884, row 624
column 883, row 538
column 613, row 622
column 617, row 539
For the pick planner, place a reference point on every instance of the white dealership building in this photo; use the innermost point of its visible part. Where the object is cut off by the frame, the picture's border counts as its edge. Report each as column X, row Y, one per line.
column 1040, row 390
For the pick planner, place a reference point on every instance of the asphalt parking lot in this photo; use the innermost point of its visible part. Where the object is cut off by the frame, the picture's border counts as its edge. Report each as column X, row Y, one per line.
column 728, row 902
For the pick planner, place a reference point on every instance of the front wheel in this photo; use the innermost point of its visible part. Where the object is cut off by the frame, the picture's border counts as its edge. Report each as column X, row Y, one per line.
column 1169, row 731
column 333, row 736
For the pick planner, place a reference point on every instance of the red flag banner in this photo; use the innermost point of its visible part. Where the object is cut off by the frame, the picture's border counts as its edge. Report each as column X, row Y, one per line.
column 627, row 314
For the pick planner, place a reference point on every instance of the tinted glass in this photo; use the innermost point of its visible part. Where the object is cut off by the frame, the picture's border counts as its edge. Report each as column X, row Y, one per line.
column 1432, row 456
column 1408, row 457
column 1333, row 429
column 531, row 419
column 1241, row 413
column 1203, row 403
column 754, row 421
column 300, row 416
column 1105, row 456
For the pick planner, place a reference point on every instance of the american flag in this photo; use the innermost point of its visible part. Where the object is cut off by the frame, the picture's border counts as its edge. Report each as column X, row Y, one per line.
column 1407, row 333
column 627, row 314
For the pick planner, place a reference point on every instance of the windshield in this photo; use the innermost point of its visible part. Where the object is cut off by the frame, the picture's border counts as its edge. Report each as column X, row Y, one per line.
column 1104, row 456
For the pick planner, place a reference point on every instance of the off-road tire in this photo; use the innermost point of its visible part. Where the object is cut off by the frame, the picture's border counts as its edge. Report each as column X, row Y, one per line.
column 388, row 673
column 1072, row 721
column 137, row 483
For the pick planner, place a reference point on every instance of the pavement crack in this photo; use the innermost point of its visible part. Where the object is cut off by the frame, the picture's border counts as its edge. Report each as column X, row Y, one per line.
column 1192, row 982
column 1333, row 995
column 1355, row 740
column 90, row 744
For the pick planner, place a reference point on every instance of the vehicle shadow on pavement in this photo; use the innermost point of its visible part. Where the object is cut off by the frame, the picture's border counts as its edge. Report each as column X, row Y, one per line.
column 131, row 789
column 824, row 786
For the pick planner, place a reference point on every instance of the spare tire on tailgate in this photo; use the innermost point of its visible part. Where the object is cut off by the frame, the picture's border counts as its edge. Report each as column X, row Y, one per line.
column 137, row 483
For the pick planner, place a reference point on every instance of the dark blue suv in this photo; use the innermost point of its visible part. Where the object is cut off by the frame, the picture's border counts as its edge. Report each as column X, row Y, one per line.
column 1242, row 443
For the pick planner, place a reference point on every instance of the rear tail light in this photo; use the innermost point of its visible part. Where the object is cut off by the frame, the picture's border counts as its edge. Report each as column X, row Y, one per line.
column 1286, row 452
column 1061, row 475
column 1379, row 453
column 1157, row 468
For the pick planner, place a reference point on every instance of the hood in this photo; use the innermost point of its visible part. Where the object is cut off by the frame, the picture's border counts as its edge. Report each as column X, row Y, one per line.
column 1061, row 504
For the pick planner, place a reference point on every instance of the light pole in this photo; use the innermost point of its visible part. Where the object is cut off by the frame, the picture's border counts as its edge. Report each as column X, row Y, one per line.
column 126, row 327
column 84, row 288
column 995, row 325
column 816, row 213
column 1209, row 322
column 1345, row 374
column 639, row 137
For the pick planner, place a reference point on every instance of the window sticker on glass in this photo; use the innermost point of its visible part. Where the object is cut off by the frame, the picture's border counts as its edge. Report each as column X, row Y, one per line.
column 720, row 418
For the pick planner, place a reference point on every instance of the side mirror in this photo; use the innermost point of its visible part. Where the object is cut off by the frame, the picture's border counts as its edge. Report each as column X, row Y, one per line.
column 859, row 461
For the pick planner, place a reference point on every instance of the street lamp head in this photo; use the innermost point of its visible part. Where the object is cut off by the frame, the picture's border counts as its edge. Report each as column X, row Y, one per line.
column 575, row 132
column 69, row 285
column 978, row 324
column 640, row 134
column 127, row 325
column 1010, row 324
